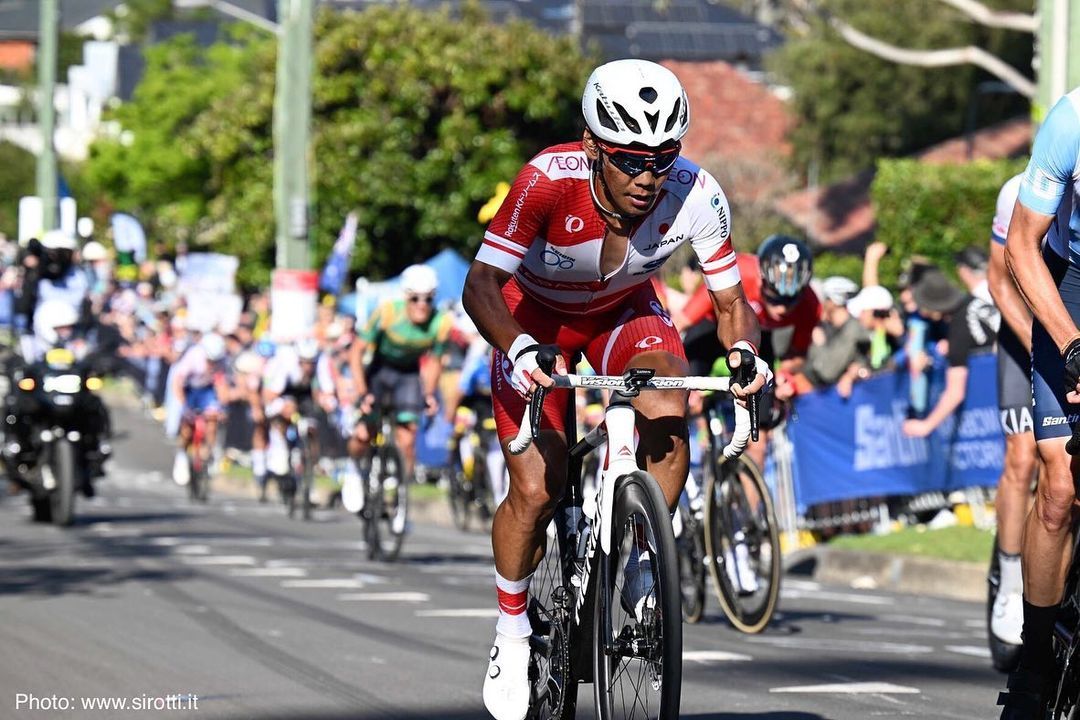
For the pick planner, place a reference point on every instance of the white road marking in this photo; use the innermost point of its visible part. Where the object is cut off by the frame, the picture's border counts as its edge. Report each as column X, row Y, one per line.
column 460, row 613
column 405, row 597
column 192, row 550
column 327, row 583
column 914, row 620
column 980, row 624
column 458, row 569
column 166, row 541
column 841, row 645
column 855, row 688
column 708, row 656
column 218, row 560
column 801, row 584
column 972, row 650
column 270, row 572
column 856, row 598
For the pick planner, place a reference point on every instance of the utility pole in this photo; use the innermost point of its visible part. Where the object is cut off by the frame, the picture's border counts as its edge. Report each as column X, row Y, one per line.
column 1057, row 53
column 292, row 121
column 46, row 66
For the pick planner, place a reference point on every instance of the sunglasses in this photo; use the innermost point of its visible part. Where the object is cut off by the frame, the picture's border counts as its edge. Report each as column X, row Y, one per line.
column 426, row 299
column 635, row 162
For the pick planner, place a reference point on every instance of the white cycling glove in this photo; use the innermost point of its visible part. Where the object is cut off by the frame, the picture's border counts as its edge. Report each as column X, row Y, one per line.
column 760, row 365
column 523, row 354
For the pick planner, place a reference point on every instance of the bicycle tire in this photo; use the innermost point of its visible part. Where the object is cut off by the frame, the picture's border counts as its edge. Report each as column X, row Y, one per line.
column 458, row 497
column 692, row 554
column 553, row 688
column 389, row 500
column 307, row 480
column 1065, row 705
column 748, row 613
column 1003, row 656
column 652, row 642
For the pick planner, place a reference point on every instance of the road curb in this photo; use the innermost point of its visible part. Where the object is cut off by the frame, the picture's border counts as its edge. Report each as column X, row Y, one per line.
column 911, row 574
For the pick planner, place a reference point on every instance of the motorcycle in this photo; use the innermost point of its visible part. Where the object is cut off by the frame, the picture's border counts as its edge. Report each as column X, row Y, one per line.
column 53, row 432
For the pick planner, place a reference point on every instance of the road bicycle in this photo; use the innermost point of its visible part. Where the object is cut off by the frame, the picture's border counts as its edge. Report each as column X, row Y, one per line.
column 1065, row 701
column 604, row 603
column 198, row 469
column 470, row 488
column 742, row 536
column 386, row 496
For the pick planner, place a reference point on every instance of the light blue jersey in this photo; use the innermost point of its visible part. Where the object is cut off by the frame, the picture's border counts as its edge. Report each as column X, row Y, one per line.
column 1051, row 184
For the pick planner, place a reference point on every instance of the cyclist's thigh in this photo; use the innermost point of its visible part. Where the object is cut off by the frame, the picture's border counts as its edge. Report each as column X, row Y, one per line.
column 407, row 395
column 643, row 326
column 1014, row 383
column 1052, row 413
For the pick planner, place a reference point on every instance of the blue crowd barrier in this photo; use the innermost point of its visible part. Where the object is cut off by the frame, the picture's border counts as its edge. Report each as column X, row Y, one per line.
column 856, row 448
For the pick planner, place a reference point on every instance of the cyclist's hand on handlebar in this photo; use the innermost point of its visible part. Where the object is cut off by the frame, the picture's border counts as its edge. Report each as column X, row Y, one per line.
column 744, row 355
column 1072, row 372
column 366, row 404
column 527, row 373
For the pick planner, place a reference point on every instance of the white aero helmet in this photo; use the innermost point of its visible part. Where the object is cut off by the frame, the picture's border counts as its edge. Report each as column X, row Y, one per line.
column 58, row 240
column 214, row 346
column 419, row 279
column 635, row 101
column 53, row 314
column 94, row 251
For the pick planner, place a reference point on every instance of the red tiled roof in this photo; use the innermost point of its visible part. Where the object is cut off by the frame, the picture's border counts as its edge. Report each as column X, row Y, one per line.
column 730, row 113
column 840, row 216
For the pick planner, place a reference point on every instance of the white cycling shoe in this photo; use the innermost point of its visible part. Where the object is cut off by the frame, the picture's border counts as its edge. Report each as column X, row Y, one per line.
column 352, row 491
column 181, row 471
column 1007, row 618
column 741, row 575
column 506, row 686
column 639, row 588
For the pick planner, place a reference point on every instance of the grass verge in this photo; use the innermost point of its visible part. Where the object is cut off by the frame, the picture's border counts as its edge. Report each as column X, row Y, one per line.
column 967, row 544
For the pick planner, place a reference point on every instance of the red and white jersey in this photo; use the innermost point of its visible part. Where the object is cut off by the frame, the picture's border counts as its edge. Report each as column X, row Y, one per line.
column 549, row 234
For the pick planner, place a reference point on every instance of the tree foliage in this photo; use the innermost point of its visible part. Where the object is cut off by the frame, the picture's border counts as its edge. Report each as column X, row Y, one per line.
column 935, row 210
column 854, row 107
column 16, row 180
column 417, row 116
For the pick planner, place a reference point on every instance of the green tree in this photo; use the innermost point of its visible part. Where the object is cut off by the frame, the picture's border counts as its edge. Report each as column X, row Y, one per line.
column 935, row 210
column 417, row 116
column 16, row 180
column 854, row 107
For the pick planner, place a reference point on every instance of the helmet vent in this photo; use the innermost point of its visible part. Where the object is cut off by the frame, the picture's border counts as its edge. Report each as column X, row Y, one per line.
column 627, row 119
column 605, row 118
column 648, row 94
column 674, row 115
column 653, row 118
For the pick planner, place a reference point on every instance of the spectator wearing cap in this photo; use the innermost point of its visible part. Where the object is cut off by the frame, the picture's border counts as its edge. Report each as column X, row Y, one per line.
column 972, row 264
column 973, row 326
column 836, row 349
column 873, row 307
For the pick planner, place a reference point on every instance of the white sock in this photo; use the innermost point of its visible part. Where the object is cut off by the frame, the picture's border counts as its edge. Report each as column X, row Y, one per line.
column 513, row 598
column 258, row 463
column 1012, row 577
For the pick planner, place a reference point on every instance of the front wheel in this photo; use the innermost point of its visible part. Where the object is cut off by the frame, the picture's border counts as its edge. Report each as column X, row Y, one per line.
column 742, row 542
column 637, row 646
column 62, row 496
column 387, row 506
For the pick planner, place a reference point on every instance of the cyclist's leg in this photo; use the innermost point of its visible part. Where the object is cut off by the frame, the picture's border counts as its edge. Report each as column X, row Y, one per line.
column 408, row 400
column 258, row 443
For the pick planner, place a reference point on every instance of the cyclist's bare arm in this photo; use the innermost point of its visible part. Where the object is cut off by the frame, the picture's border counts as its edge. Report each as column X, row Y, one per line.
column 430, row 372
column 735, row 321
column 1023, row 255
column 482, row 298
column 1008, row 299
column 356, row 367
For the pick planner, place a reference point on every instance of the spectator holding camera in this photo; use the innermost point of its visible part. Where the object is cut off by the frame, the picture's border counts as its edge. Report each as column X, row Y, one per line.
column 837, row 345
column 874, row 309
column 973, row 326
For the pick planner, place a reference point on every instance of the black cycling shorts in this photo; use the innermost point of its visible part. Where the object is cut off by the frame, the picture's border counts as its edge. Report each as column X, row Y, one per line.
column 1052, row 414
column 401, row 388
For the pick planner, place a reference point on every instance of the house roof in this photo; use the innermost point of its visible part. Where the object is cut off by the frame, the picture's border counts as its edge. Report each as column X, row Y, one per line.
column 841, row 217
column 19, row 19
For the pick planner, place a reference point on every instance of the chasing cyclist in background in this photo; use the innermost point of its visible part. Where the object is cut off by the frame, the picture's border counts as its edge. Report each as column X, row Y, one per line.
column 1014, row 402
column 567, row 261
column 1049, row 280
column 407, row 339
column 195, row 380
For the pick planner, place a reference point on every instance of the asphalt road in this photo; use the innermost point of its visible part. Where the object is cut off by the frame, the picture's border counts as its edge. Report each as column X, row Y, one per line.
column 148, row 596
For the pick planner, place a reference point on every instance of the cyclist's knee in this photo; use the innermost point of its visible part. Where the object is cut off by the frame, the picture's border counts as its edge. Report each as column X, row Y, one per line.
column 1054, row 501
column 1020, row 459
column 532, row 499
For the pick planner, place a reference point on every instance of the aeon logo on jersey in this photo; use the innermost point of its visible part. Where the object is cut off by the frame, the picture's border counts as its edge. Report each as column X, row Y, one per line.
column 568, row 163
column 647, row 342
column 554, row 258
column 660, row 312
column 574, row 224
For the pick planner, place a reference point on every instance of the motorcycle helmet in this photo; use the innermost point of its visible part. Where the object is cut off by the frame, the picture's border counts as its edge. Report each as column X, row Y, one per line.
column 55, row 321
